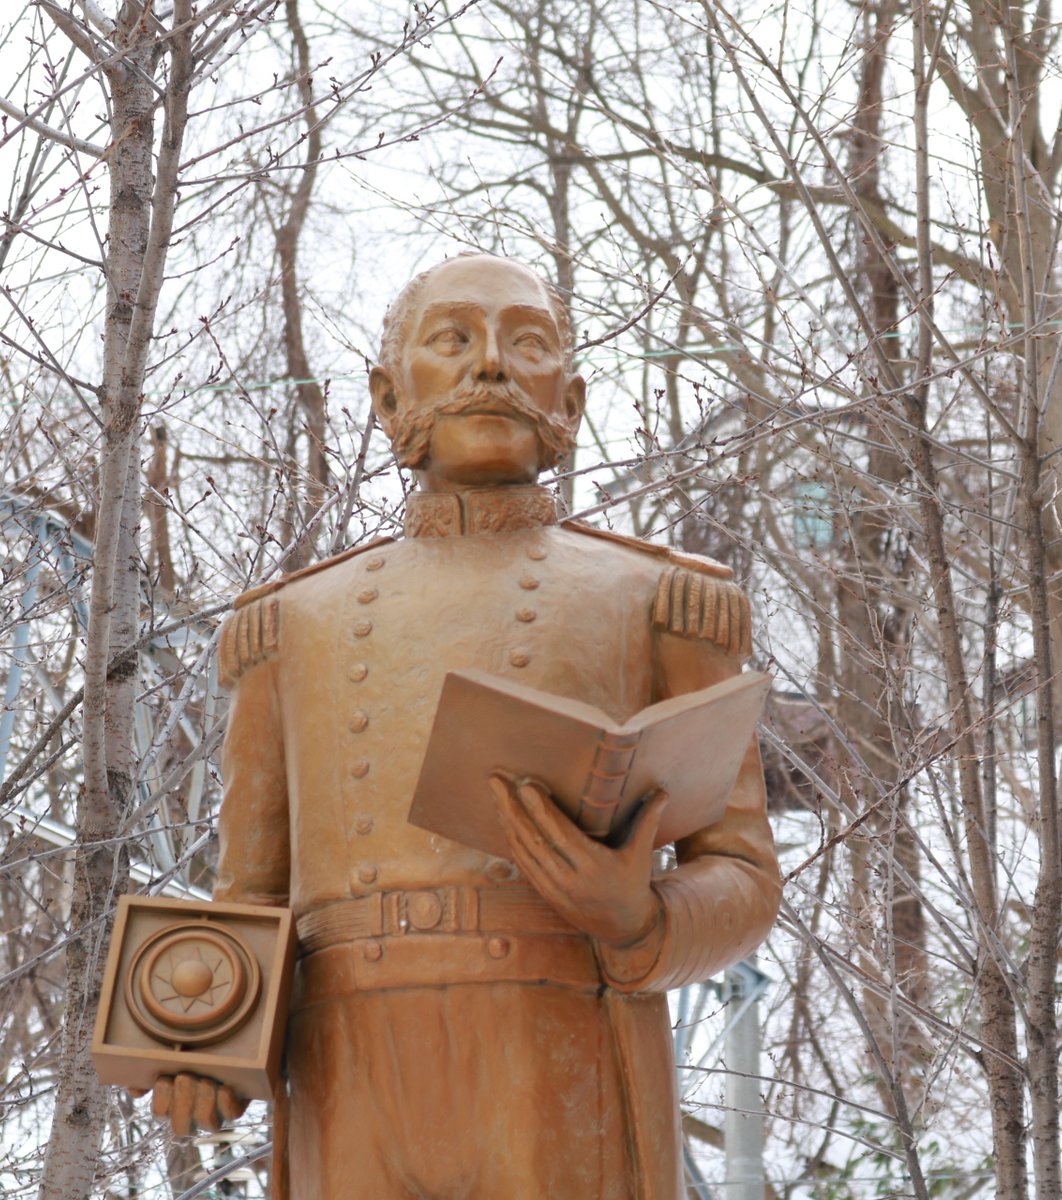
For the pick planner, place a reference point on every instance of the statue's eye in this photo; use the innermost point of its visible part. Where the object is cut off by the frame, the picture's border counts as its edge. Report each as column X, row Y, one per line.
column 448, row 339
column 530, row 340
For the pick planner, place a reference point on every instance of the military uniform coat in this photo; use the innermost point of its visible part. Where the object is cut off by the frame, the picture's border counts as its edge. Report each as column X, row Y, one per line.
column 417, row 950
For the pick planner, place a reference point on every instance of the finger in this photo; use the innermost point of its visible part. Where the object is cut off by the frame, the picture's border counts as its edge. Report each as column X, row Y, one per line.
column 508, row 787
column 206, row 1105
column 536, row 858
column 162, row 1096
column 529, row 849
column 647, row 822
column 519, row 823
column 518, row 799
column 501, row 784
column 523, row 831
column 542, row 878
column 182, row 1105
column 557, row 828
column 528, row 788
column 511, row 814
column 504, row 791
column 230, row 1106
column 137, row 1093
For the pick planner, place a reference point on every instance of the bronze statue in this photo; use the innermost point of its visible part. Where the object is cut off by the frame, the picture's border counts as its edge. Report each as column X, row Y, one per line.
column 464, row 1025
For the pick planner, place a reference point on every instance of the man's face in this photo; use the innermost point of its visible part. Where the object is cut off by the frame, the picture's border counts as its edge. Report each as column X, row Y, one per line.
column 481, row 378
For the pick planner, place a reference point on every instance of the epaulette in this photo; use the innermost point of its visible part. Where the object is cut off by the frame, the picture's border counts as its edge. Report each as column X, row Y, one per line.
column 696, row 596
column 252, row 633
column 694, row 604
column 274, row 585
column 248, row 637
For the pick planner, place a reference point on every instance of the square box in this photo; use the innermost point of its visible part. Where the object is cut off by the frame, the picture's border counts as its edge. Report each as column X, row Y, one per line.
column 195, row 986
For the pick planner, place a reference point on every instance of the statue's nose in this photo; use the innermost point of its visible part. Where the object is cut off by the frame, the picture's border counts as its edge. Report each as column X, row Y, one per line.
column 491, row 368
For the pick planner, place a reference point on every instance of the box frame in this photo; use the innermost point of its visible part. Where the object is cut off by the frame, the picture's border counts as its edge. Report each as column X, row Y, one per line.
column 248, row 1059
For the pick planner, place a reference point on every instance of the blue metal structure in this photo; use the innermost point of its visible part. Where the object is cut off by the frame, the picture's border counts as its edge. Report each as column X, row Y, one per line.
column 52, row 547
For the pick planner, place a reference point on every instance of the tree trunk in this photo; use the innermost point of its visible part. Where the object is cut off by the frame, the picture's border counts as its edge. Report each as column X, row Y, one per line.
column 141, row 217
column 308, row 391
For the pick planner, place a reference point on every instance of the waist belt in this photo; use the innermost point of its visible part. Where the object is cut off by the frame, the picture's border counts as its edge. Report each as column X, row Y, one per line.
column 512, row 908
column 438, row 937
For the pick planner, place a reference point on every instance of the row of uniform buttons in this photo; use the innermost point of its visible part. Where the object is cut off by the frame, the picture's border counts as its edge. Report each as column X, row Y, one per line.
column 519, row 656
column 359, row 671
column 367, row 874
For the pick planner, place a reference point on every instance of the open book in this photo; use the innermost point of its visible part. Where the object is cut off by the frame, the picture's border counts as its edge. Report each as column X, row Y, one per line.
column 597, row 769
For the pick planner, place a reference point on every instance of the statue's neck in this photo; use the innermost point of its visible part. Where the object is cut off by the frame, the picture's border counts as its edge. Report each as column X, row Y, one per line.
column 480, row 510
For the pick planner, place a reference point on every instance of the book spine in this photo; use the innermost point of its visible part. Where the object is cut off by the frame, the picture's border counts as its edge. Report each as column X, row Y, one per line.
column 604, row 785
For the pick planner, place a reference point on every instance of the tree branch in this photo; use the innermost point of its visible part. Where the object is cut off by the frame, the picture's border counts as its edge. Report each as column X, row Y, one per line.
column 54, row 135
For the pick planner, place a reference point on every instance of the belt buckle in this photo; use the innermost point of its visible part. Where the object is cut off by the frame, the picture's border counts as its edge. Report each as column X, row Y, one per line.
column 449, row 909
column 424, row 911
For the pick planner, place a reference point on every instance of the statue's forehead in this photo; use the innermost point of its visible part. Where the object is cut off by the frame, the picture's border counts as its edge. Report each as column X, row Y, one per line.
column 486, row 284
column 508, row 306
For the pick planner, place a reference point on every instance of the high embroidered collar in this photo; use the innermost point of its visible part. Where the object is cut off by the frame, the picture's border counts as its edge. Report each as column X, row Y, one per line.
column 492, row 510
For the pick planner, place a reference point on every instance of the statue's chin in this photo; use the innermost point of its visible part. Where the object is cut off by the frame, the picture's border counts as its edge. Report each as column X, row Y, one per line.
column 480, row 449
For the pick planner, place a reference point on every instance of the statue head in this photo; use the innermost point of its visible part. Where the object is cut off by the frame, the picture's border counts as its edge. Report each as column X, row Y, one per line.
column 475, row 383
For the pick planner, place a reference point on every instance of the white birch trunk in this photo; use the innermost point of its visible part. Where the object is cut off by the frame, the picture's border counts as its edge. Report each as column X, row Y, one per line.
column 141, row 214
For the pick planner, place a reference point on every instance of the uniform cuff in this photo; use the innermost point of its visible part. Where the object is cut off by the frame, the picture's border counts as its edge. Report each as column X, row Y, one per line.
column 625, row 966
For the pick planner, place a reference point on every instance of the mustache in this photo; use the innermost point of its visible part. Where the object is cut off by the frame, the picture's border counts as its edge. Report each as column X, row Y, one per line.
column 504, row 397
column 411, row 436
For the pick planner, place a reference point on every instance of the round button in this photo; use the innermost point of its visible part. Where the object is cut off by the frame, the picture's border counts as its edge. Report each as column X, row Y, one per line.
column 374, row 563
column 367, row 874
column 358, row 672
column 373, row 951
column 425, row 910
column 367, row 595
column 362, row 628
column 527, row 615
column 538, row 553
column 529, row 583
column 359, row 770
column 363, row 824
column 358, row 721
column 498, row 947
column 519, row 658
column 191, row 977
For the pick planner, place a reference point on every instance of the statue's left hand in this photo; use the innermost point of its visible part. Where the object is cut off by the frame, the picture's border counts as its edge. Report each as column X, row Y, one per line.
column 193, row 1101
column 601, row 890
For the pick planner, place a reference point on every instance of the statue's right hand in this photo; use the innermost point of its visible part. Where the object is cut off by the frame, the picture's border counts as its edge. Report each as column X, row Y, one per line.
column 194, row 1101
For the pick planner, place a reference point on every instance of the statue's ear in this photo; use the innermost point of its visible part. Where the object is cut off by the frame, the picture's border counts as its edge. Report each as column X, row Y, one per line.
column 384, row 400
column 574, row 399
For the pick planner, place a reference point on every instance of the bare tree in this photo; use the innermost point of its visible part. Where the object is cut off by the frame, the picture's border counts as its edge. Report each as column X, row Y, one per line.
column 762, row 212
column 811, row 260
column 148, row 728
